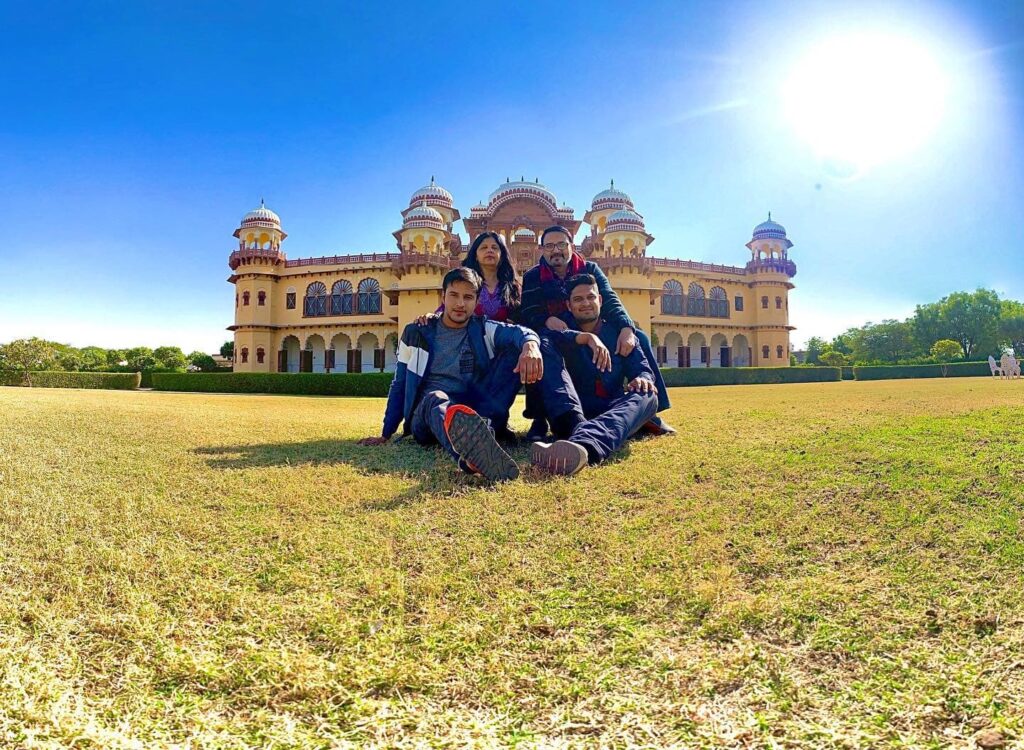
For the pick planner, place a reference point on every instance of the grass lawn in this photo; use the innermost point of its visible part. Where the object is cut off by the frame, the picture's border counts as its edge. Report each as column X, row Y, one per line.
column 812, row 565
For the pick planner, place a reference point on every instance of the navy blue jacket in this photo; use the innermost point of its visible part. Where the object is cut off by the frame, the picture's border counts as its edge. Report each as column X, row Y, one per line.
column 539, row 297
column 597, row 389
column 486, row 338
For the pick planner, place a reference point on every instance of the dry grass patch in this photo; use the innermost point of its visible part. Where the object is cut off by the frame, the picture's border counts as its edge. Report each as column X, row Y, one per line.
column 812, row 565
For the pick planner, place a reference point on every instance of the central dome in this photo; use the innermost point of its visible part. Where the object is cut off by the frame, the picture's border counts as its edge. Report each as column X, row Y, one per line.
column 524, row 189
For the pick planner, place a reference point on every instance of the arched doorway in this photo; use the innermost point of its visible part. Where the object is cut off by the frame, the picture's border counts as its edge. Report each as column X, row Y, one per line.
column 719, row 351
column 675, row 351
column 341, row 345
column 288, row 357
column 698, row 350
column 740, row 351
column 315, row 344
column 367, row 348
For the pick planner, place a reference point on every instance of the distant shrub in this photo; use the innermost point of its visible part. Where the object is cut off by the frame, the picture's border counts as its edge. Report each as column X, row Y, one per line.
column 115, row 381
column 685, row 376
column 848, row 373
column 952, row 370
column 303, row 383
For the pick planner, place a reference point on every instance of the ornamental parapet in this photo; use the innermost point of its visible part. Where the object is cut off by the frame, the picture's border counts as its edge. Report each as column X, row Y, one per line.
column 773, row 265
column 401, row 263
column 641, row 264
column 342, row 260
column 248, row 255
column 693, row 265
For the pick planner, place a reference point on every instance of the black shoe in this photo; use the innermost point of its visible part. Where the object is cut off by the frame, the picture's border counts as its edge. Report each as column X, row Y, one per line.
column 538, row 431
column 560, row 457
column 473, row 441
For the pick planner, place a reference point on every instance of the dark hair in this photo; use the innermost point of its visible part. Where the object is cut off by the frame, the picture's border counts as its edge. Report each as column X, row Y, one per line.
column 461, row 273
column 580, row 279
column 510, row 286
column 555, row 228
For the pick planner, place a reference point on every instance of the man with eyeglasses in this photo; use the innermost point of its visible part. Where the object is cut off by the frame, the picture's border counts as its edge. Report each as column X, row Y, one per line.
column 544, row 309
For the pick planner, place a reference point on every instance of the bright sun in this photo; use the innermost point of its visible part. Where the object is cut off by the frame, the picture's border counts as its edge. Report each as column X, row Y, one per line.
column 861, row 100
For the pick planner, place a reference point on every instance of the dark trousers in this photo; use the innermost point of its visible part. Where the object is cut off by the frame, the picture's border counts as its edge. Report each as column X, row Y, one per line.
column 491, row 397
column 606, row 431
column 535, row 403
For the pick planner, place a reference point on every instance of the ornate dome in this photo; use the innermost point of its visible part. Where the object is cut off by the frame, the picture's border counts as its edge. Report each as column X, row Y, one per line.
column 525, row 234
column 433, row 194
column 423, row 216
column 478, row 210
column 611, row 198
column 625, row 220
column 261, row 217
column 769, row 230
column 522, row 188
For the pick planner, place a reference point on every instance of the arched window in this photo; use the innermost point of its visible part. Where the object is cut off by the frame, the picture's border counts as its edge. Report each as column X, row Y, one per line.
column 261, row 298
column 718, row 306
column 778, row 303
column 245, row 299
column 778, row 351
column 764, row 352
column 764, row 302
column 341, row 298
column 672, row 298
column 695, row 302
column 260, row 354
column 315, row 303
column 245, row 354
column 369, row 296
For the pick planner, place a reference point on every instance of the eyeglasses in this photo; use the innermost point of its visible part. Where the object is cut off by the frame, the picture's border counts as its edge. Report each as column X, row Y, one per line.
column 548, row 247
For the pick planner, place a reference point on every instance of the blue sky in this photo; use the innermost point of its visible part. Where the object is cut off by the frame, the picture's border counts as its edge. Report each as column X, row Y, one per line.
column 135, row 135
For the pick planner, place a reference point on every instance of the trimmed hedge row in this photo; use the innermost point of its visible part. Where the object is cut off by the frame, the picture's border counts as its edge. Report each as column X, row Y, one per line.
column 114, row 381
column 684, row 376
column 954, row 370
column 848, row 373
column 299, row 384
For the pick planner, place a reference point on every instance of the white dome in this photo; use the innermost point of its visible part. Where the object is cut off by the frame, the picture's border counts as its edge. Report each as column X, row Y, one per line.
column 423, row 216
column 611, row 198
column 433, row 194
column 525, row 189
column 526, row 233
column 261, row 216
column 625, row 220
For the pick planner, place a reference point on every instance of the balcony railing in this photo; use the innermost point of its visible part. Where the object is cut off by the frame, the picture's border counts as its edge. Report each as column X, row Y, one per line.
column 777, row 265
column 337, row 260
column 693, row 265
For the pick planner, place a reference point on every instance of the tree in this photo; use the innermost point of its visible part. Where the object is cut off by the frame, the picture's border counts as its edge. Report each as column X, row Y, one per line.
column 227, row 350
column 26, row 356
column 140, row 358
column 888, row 341
column 815, row 346
column 1011, row 325
column 832, row 358
column 116, row 356
column 945, row 351
column 170, row 357
column 93, row 358
column 969, row 318
column 202, row 362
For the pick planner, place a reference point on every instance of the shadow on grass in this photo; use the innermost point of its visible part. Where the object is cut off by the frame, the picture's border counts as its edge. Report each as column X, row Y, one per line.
column 430, row 466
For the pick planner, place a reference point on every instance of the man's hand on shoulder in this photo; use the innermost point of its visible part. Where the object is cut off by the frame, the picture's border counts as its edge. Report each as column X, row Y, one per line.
column 424, row 319
column 627, row 342
column 531, row 365
column 602, row 358
column 555, row 324
column 375, row 440
column 640, row 385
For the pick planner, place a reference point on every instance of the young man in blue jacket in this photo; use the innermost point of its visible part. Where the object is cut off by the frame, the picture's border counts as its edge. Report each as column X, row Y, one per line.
column 602, row 397
column 457, row 377
column 544, row 309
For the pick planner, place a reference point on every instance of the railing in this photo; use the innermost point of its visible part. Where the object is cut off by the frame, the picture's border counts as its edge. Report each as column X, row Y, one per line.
column 333, row 260
column 787, row 267
column 694, row 265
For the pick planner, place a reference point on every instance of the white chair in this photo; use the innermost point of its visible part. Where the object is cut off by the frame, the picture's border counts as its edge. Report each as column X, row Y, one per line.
column 1014, row 365
column 994, row 367
column 1007, row 365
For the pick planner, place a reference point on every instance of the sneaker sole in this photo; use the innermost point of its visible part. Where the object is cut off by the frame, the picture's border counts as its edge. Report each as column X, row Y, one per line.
column 472, row 440
column 561, row 457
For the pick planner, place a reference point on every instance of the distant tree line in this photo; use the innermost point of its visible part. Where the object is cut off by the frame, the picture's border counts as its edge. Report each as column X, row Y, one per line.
column 37, row 354
column 961, row 326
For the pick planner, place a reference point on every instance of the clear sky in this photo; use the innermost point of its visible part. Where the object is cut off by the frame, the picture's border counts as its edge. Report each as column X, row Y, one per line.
column 134, row 136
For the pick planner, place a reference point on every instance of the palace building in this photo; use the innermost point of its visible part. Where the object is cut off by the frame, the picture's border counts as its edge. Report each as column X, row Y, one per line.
column 344, row 313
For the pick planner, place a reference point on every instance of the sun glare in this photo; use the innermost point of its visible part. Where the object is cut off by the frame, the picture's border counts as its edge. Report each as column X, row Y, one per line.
column 862, row 100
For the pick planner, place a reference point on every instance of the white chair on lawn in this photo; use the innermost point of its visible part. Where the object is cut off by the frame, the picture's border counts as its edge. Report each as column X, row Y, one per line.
column 993, row 366
column 1012, row 369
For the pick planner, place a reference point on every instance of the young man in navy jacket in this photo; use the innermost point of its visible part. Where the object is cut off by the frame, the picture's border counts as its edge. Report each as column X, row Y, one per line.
column 601, row 397
column 544, row 309
column 457, row 377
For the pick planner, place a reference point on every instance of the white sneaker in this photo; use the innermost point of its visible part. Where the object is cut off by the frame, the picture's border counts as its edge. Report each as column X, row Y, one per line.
column 560, row 457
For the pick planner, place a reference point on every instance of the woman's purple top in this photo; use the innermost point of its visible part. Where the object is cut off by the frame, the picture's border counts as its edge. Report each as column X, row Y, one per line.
column 488, row 304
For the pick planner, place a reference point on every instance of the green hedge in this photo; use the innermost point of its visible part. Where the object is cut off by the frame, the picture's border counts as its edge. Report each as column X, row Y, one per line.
column 302, row 383
column 115, row 381
column 683, row 376
column 848, row 373
column 954, row 370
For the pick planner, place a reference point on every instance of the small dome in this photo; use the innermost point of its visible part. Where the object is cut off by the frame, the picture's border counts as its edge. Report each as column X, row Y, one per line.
column 526, row 189
column 525, row 234
column 625, row 220
column 478, row 210
column 433, row 194
column 261, row 217
column 611, row 198
column 769, row 230
column 423, row 216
